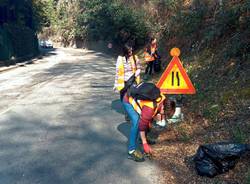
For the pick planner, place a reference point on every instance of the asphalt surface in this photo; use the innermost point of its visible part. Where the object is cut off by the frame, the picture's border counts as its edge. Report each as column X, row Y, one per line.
column 61, row 123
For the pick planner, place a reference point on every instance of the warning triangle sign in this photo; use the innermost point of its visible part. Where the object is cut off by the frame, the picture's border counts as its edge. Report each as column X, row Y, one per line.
column 175, row 80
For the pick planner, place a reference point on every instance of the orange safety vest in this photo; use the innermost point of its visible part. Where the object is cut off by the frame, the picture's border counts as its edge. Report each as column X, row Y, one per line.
column 148, row 57
column 141, row 103
column 121, row 61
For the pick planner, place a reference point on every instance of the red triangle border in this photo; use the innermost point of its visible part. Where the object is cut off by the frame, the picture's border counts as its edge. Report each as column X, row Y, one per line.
column 176, row 61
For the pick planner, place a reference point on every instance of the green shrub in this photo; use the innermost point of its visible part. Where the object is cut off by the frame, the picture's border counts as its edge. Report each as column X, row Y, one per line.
column 212, row 112
column 24, row 45
column 248, row 177
column 111, row 20
column 239, row 135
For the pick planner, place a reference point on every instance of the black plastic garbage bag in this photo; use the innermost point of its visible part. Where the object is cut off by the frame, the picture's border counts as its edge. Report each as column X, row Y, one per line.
column 213, row 159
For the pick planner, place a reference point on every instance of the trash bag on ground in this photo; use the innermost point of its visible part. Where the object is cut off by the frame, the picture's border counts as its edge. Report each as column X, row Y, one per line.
column 213, row 159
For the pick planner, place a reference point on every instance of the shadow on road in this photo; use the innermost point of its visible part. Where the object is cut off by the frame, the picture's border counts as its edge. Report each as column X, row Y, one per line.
column 66, row 130
column 124, row 129
column 117, row 106
column 29, row 59
column 47, row 52
column 56, row 154
column 98, row 54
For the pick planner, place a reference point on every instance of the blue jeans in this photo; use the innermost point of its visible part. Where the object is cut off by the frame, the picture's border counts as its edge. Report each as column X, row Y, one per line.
column 134, row 117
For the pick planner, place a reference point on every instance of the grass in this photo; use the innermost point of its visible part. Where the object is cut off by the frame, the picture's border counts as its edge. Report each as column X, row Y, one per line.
column 183, row 134
column 218, row 182
column 212, row 112
column 239, row 135
column 222, row 99
column 248, row 177
column 207, row 140
column 185, row 137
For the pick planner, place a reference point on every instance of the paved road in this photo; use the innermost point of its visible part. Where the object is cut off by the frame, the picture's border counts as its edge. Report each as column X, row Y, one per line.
column 60, row 123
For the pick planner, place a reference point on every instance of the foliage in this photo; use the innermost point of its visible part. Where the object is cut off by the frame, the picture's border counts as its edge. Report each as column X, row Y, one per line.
column 212, row 112
column 248, row 177
column 44, row 13
column 25, row 45
column 239, row 135
column 19, row 23
column 26, row 13
column 100, row 18
column 192, row 25
column 93, row 21
column 66, row 24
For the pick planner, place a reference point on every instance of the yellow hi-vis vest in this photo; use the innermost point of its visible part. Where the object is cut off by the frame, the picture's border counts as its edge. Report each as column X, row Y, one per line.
column 120, row 80
column 141, row 103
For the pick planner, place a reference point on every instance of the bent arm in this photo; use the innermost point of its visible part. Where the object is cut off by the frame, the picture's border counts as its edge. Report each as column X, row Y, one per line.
column 144, row 122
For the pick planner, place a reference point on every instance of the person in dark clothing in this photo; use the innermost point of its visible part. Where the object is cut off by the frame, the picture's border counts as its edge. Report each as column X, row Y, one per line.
column 150, row 56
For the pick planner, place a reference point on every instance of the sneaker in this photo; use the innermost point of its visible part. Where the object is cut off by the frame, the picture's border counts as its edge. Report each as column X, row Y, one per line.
column 176, row 119
column 136, row 156
column 161, row 123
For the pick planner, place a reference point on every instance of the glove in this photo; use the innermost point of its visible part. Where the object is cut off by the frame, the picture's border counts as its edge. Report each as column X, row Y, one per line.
column 137, row 72
column 147, row 148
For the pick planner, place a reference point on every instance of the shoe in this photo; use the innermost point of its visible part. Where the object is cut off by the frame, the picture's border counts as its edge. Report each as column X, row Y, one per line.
column 175, row 119
column 136, row 156
column 161, row 123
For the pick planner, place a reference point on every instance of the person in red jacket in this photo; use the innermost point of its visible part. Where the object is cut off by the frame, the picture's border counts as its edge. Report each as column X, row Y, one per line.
column 141, row 114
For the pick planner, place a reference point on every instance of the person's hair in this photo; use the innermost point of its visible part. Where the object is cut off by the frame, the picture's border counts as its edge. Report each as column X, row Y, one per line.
column 148, row 47
column 152, row 39
column 126, row 49
column 169, row 107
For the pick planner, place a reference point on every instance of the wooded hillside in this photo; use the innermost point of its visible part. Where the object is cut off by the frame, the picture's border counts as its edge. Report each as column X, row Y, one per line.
column 214, row 37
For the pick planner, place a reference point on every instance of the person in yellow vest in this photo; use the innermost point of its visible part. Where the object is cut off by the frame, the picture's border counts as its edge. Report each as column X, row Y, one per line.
column 150, row 55
column 128, row 70
column 141, row 114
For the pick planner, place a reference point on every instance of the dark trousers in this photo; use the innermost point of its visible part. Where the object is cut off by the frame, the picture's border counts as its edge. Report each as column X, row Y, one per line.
column 149, row 68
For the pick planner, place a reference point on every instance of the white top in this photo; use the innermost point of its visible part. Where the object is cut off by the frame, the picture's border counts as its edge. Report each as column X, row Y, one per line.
column 128, row 72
